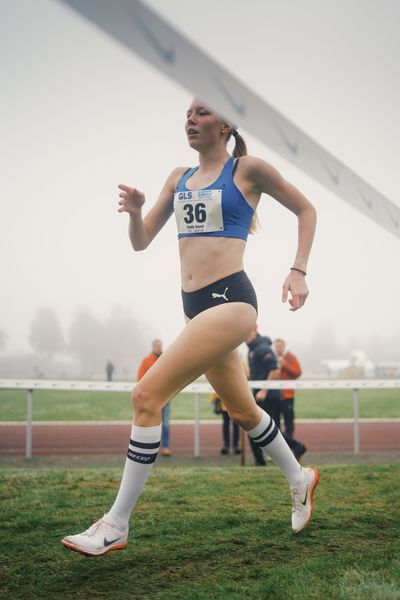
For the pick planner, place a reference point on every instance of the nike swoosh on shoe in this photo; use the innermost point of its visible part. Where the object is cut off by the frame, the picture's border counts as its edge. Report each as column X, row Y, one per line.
column 108, row 543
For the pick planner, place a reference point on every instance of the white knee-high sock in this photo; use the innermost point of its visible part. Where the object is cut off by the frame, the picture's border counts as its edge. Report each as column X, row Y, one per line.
column 267, row 436
column 142, row 452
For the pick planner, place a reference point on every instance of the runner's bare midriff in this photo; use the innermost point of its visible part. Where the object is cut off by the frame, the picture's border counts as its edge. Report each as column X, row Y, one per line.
column 207, row 259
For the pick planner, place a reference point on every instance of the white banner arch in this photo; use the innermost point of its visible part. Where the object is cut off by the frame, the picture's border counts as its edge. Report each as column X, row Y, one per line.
column 149, row 35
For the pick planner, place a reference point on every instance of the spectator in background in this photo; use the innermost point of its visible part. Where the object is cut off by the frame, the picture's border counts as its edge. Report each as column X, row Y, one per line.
column 109, row 370
column 263, row 365
column 146, row 364
column 289, row 368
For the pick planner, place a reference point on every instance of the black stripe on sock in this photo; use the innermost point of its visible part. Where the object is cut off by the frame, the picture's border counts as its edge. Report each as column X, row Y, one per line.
column 270, row 438
column 145, row 445
column 143, row 459
column 270, row 424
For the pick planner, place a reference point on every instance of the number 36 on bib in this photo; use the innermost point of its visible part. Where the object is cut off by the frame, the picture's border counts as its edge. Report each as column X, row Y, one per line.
column 198, row 211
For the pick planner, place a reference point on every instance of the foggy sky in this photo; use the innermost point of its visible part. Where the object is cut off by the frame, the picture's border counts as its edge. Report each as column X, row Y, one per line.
column 80, row 114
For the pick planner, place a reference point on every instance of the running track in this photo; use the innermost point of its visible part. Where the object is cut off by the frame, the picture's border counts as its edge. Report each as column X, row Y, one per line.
column 109, row 438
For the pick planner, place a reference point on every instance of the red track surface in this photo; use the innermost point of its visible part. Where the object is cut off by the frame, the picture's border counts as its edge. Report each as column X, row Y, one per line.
column 111, row 438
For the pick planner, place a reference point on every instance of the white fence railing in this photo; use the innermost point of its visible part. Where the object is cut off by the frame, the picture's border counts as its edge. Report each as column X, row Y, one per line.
column 198, row 388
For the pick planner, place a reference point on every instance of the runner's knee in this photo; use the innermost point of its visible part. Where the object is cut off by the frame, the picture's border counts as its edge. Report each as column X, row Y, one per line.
column 144, row 402
column 236, row 415
column 244, row 417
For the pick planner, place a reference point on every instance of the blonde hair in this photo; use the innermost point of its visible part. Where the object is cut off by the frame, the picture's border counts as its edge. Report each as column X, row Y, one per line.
column 239, row 150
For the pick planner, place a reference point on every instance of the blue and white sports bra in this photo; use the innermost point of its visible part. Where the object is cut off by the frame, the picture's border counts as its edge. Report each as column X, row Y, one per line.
column 217, row 210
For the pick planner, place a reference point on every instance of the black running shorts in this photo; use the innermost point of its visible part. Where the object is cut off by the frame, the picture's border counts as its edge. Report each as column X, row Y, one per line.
column 233, row 288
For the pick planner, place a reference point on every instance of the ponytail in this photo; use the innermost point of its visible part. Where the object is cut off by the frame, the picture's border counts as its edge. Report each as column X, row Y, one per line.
column 239, row 150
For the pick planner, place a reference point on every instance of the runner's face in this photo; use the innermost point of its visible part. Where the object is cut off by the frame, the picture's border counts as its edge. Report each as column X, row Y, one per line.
column 203, row 128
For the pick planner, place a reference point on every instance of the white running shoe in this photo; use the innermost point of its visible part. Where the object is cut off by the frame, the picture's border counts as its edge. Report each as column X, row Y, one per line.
column 302, row 500
column 102, row 537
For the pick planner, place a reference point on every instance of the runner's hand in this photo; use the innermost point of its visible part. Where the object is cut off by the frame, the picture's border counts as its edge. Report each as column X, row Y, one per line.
column 131, row 200
column 295, row 285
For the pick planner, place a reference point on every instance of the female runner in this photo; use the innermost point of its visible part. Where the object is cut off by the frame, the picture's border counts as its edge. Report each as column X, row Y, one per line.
column 214, row 206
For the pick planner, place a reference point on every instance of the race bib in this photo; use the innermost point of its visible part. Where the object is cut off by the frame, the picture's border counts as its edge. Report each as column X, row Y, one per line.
column 198, row 211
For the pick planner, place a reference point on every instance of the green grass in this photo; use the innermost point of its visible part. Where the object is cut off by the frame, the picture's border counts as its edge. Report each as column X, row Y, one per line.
column 115, row 406
column 202, row 534
column 333, row 404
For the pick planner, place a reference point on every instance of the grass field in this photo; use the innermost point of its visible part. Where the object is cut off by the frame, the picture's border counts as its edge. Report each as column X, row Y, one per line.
column 115, row 406
column 202, row 534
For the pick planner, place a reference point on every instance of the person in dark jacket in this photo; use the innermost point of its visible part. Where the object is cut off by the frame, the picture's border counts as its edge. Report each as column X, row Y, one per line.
column 262, row 365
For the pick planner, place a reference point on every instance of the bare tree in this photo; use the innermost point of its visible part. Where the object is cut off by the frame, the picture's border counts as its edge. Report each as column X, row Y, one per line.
column 46, row 336
column 124, row 341
column 87, row 341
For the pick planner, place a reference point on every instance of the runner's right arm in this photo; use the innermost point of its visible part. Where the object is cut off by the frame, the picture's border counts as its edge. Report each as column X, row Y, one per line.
column 143, row 231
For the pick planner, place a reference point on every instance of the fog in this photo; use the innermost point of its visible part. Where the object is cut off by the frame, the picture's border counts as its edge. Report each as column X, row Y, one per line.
column 80, row 114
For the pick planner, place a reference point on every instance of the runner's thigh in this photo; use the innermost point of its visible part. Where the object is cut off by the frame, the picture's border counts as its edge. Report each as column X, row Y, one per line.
column 210, row 335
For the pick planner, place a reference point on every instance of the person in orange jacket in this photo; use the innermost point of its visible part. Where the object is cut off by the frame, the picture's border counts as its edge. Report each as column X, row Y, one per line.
column 289, row 368
column 145, row 365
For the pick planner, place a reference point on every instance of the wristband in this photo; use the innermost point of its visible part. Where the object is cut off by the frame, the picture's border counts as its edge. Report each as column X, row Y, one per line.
column 299, row 270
